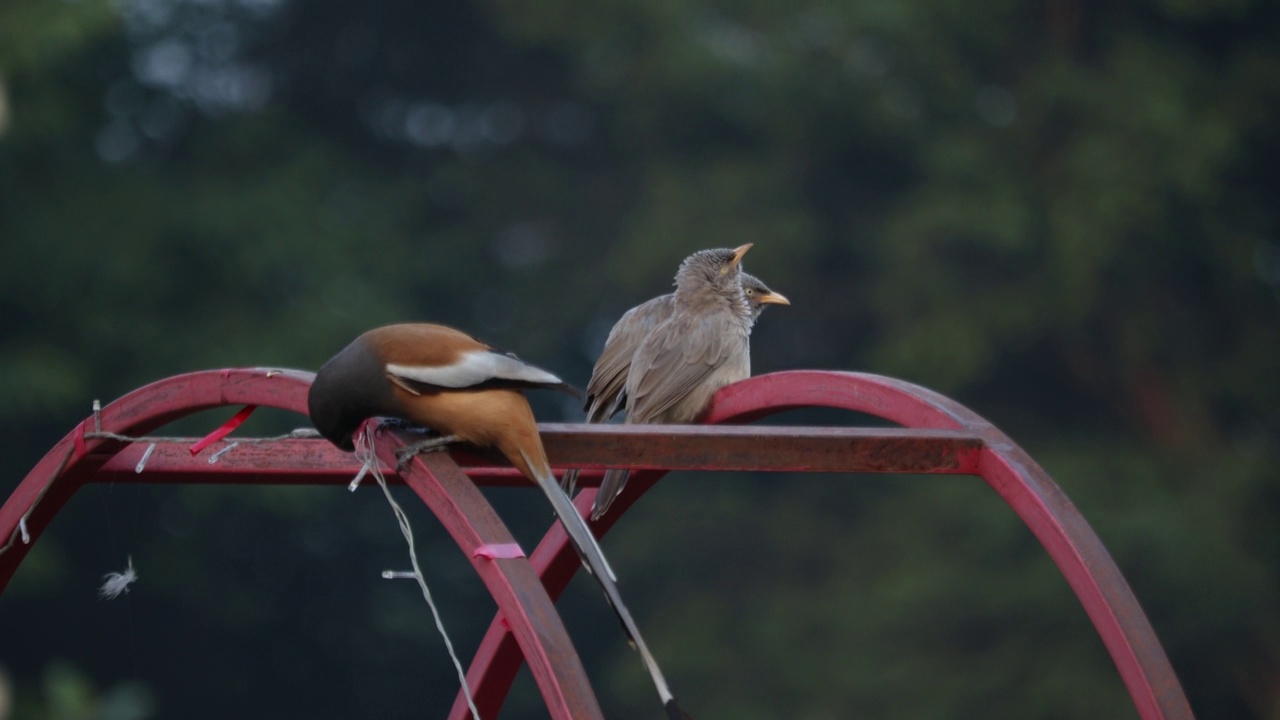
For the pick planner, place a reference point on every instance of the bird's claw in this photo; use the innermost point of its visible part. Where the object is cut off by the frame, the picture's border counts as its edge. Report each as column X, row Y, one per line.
column 434, row 444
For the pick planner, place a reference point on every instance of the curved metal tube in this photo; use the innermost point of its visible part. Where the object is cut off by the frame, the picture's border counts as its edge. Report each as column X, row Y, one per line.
column 460, row 507
column 1028, row 490
column 526, row 603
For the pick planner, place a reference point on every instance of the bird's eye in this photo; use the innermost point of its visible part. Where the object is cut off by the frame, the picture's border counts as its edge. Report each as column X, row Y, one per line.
column 750, row 292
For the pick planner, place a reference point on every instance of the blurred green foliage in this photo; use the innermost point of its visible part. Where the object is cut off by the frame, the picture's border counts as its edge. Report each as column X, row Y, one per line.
column 1063, row 214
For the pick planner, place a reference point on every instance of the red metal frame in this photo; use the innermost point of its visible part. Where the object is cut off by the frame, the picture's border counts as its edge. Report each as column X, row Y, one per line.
column 939, row 436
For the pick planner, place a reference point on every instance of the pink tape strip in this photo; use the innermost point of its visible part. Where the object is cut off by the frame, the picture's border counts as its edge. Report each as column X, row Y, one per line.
column 504, row 551
column 223, row 431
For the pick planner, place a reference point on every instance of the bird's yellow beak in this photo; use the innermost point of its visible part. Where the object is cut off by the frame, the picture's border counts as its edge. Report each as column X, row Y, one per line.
column 738, row 252
column 773, row 298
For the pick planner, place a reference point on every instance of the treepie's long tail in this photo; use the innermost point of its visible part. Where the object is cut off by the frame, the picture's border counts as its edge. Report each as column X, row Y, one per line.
column 593, row 558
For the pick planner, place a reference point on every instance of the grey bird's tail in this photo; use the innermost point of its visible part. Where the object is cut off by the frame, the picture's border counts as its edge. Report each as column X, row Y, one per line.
column 597, row 412
column 610, row 489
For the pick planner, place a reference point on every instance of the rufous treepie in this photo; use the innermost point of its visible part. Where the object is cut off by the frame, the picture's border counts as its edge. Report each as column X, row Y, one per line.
column 465, row 390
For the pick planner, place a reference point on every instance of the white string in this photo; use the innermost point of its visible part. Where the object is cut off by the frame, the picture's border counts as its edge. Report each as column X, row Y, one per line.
column 295, row 434
column 364, row 453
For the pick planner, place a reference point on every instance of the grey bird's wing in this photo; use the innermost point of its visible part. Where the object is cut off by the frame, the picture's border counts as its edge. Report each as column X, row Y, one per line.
column 605, row 391
column 674, row 373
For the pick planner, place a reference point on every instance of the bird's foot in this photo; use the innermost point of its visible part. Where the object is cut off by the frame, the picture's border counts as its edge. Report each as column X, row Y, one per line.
column 433, row 444
column 401, row 425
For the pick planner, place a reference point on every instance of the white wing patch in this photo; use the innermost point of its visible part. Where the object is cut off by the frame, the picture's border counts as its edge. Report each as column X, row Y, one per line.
column 474, row 368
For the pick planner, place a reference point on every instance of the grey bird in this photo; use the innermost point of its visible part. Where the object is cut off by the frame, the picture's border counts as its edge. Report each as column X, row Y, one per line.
column 681, row 363
column 759, row 296
column 606, row 392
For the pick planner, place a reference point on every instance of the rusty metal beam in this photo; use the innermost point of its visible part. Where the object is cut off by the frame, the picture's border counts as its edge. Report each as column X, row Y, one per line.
column 594, row 447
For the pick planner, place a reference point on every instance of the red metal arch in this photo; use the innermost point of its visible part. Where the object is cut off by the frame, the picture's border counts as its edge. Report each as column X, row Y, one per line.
column 1022, row 483
column 941, row 436
column 464, row 512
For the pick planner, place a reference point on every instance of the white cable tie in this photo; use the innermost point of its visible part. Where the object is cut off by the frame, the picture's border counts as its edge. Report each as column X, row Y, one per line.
column 22, row 528
column 355, row 483
column 97, row 415
column 398, row 575
column 218, row 455
column 145, row 457
column 365, row 454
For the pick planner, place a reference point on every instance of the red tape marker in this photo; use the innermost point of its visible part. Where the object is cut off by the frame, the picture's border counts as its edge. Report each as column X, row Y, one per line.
column 504, row 551
column 224, row 430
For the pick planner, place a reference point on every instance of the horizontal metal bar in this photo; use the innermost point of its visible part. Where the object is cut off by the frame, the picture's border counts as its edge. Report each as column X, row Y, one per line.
column 590, row 447
column 762, row 447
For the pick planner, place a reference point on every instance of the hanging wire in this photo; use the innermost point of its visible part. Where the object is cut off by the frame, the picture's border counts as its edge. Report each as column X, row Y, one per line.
column 365, row 454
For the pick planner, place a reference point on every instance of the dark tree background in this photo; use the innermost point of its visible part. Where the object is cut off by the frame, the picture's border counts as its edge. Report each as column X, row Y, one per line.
column 1061, row 213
